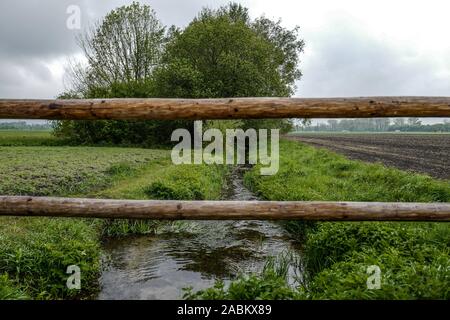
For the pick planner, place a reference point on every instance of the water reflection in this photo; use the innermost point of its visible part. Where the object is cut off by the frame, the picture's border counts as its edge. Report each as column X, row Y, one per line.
column 159, row 266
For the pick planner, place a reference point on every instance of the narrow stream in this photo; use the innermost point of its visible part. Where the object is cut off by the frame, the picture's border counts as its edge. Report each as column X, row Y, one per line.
column 160, row 266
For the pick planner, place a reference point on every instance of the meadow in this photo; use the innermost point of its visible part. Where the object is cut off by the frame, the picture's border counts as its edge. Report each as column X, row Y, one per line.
column 413, row 257
column 35, row 252
column 28, row 138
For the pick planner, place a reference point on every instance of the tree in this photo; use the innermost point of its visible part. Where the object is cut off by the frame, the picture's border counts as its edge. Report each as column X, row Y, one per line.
column 223, row 53
column 382, row 124
column 414, row 121
column 333, row 124
column 305, row 123
column 124, row 47
column 399, row 122
column 122, row 51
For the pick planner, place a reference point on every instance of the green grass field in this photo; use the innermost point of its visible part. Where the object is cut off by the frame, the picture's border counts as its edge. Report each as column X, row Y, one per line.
column 414, row 258
column 65, row 170
column 35, row 252
column 28, row 138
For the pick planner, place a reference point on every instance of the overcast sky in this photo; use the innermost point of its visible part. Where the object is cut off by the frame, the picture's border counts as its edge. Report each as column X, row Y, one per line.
column 353, row 48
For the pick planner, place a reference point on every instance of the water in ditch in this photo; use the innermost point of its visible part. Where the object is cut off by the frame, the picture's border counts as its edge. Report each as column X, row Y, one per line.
column 160, row 266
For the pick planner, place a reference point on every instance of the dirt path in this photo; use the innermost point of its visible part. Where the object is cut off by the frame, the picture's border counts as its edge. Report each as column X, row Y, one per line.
column 424, row 153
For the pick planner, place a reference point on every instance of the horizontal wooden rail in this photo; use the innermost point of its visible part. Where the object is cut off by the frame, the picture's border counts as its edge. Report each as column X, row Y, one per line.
column 232, row 108
column 222, row 210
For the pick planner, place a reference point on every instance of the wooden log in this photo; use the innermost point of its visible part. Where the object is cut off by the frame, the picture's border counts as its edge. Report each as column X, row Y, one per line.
column 232, row 108
column 222, row 210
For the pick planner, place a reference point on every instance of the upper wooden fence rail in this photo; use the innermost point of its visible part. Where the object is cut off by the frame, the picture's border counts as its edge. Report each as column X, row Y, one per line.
column 231, row 108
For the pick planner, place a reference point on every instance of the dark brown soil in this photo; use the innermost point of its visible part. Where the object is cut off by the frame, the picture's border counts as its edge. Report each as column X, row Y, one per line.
column 424, row 153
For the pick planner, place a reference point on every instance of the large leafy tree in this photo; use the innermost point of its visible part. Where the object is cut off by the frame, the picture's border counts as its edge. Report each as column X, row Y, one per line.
column 221, row 53
column 122, row 51
column 123, row 48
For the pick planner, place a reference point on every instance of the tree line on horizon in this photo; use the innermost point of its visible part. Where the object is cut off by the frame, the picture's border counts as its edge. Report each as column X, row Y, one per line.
column 374, row 125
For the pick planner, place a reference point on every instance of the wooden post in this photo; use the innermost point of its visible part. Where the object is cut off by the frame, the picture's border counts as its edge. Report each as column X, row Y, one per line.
column 232, row 108
column 222, row 210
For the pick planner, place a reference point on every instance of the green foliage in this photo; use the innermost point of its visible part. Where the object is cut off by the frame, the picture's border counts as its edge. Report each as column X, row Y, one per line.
column 122, row 50
column 307, row 173
column 121, row 169
column 8, row 291
column 413, row 257
column 268, row 286
column 36, row 252
column 226, row 54
column 15, row 138
column 188, row 182
column 161, row 190
column 124, row 227
column 221, row 53
column 65, row 170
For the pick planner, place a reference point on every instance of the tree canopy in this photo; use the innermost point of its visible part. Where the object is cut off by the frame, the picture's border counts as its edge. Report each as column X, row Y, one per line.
column 221, row 53
column 122, row 50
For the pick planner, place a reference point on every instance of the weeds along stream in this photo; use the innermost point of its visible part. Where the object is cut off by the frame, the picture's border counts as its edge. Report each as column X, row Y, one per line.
column 192, row 253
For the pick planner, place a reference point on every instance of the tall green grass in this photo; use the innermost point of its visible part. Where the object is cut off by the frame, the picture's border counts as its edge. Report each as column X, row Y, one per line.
column 164, row 181
column 8, row 291
column 414, row 258
column 35, row 252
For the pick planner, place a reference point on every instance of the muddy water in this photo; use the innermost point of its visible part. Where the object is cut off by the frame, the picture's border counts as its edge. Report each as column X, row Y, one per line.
column 160, row 266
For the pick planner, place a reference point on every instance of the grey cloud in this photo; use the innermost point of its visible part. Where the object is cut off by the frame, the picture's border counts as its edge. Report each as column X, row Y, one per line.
column 343, row 61
column 35, row 28
column 27, row 78
column 38, row 27
column 33, row 33
column 341, row 58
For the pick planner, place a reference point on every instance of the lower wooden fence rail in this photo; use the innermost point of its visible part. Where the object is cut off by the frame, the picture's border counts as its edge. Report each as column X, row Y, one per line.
column 223, row 210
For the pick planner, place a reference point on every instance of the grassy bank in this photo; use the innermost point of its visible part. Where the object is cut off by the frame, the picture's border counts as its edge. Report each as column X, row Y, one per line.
column 35, row 252
column 413, row 257
column 162, row 180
